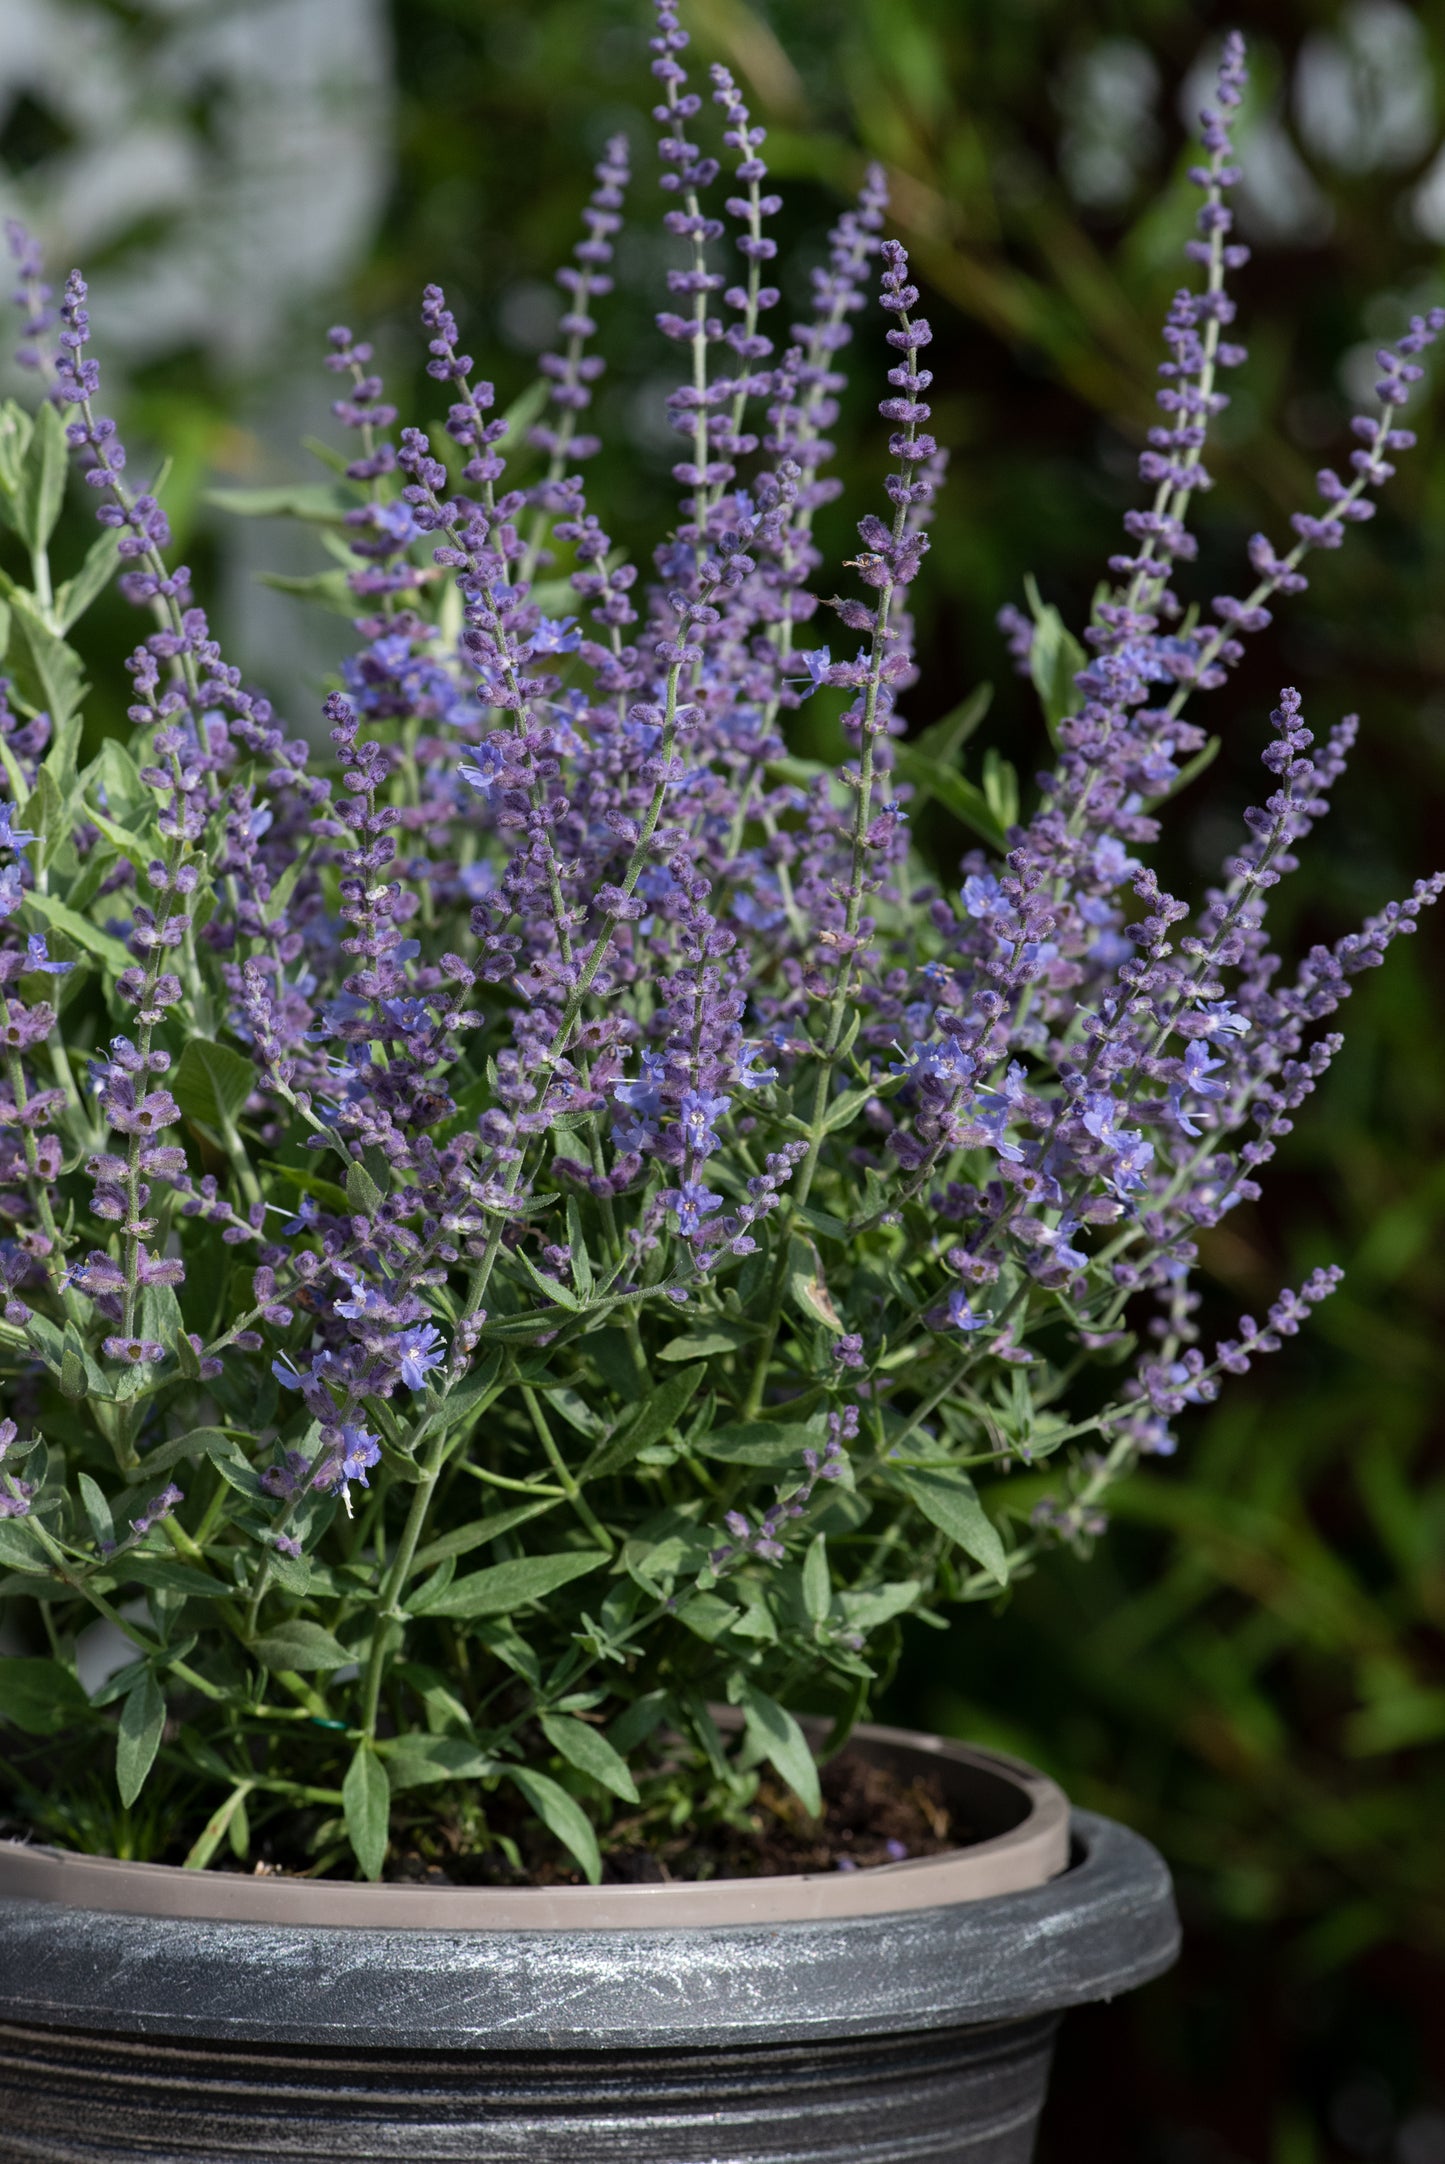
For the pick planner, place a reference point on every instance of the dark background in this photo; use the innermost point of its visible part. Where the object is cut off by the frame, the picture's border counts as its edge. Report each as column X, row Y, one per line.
column 1250, row 1670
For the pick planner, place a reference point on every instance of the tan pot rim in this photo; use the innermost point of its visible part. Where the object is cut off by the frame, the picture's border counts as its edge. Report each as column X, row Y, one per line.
column 1025, row 1845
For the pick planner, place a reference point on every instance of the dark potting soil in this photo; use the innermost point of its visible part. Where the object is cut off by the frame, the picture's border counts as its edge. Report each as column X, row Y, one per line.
column 870, row 1817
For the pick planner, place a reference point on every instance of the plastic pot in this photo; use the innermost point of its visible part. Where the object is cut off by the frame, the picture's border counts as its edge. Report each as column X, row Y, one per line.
column 888, row 2016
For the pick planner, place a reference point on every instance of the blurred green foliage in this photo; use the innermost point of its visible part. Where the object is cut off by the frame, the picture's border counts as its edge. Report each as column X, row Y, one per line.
column 1250, row 1669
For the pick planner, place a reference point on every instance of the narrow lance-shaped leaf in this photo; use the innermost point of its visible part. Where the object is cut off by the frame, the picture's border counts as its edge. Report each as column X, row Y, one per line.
column 949, row 1500
column 366, row 1804
column 510, row 1585
column 562, row 1815
column 142, row 1723
column 776, row 1736
column 589, row 1750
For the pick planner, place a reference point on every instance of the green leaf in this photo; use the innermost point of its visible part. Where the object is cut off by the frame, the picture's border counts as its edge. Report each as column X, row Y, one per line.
column 19, row 786
column 210, row 1082
column 657, row 1416
column 759, row 1442
column 162, row 1574
column 527, row 407
column 945, row 739
column 865, row 1611
column 16, row 428
column 823, row 1222
column 467, row 1537
column 302, row 1646
column 102, row 561
column 561, row 1295
column 362, row 1193
column 197, row 1443
column 509, row 1585
column 704, row 1344
column 1055, row 659
column 562, row 1815
column 807, row 1285
column 160, row 1314
column 72, row 1377
column 46, row 672
column 417, row 1761
column 112, row 952
column 39, row 1696
column 707, row 1616
column 332, row 589
column 135, row 847
column 41, row 489
column 18, row 1551
column 589, row 1751
column 246, row 1480
column 204, row 1847
column 817, row 1580
column 776, row 1736
column 949, row 1500
column 1190, row 771
column 310, row 1183
column 97, row 1510
column 142, row 1720
column 317, row 503
column 47, row 811
column 845, row 1107
column 967, row 802
column 1001, row 789
column 577, row 1242
column 366, row 1803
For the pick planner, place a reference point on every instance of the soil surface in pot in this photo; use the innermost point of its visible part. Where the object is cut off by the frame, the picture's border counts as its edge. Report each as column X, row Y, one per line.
column 871, row 1816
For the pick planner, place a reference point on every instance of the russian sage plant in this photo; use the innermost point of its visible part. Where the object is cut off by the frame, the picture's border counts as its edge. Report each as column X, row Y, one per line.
column 544, row 1223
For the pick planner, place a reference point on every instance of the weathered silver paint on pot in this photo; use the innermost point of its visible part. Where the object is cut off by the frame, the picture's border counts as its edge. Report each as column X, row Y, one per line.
column 887, row 2036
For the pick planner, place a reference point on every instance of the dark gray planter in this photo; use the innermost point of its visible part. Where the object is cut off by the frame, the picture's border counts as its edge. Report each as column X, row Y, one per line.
column 865, row 2018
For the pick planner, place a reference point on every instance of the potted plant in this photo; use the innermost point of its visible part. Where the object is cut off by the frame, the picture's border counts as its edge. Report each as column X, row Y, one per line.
column 537, row 1234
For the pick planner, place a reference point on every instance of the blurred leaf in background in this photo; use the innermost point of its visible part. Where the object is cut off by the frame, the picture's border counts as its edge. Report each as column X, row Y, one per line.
column 1250, row 1669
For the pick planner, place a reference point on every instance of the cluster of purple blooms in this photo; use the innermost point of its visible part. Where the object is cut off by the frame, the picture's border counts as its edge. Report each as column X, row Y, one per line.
column 563, row 1002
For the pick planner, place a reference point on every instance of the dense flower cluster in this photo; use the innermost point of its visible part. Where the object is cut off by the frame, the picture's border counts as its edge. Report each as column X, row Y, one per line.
column 562, row 1128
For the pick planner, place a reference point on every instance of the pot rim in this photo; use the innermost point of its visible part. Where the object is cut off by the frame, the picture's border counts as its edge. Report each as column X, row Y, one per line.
column 1030, row 1847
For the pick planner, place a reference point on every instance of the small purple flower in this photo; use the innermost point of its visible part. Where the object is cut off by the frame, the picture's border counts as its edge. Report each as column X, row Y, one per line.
column 697, row 1113
column 417, row 1351
column 291, row 1476
column 1217, row 1018
column 484, row 770
column 37, row 957
column 410, row 1015
column 1195, row 1071
column 961, row 1315
column 135, row 1351
column 362, row 1299
column 983, row 897
column 12, row 836
column 748, row 1073
column 690, row 1204
column 159, row 1507
column 359, row 1451
column 304, row 1217
column 815, row 667
column 555, row 637
column 15, row 1496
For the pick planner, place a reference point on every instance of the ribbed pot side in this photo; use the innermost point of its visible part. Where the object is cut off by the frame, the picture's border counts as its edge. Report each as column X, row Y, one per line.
column 889, row 2035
